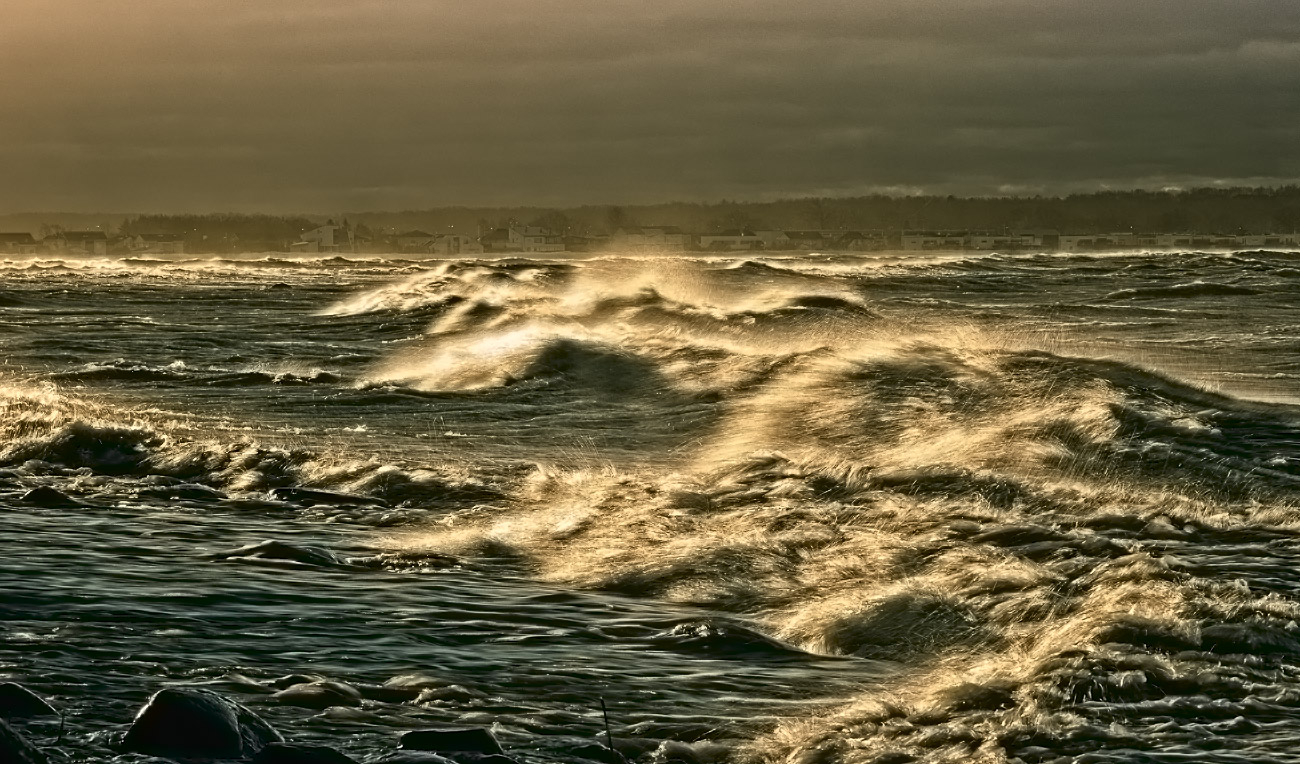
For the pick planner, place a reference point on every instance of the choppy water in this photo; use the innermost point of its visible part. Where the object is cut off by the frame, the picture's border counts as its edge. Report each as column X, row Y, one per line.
column 814, row 508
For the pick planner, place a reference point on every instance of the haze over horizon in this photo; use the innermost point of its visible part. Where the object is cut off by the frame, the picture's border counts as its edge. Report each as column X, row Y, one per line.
column 196, row 105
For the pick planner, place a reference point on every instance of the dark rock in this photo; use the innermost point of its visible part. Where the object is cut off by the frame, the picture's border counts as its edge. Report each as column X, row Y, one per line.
column 452, row 740
column 319, row 695
column 279, row 286
column 184, row 722
column 18, row 702
column 50, row 498
column 14, row 748
column 281, row 552
column 293, row 753
column 309, row 496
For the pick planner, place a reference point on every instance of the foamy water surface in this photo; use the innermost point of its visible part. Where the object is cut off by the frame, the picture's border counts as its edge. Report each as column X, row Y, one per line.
column 851, row 508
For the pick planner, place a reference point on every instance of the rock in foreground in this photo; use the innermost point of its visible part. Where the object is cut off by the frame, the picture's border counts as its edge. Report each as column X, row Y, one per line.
column 198, row 724
column 14, row 748
column 452, row 740
column 18, row 702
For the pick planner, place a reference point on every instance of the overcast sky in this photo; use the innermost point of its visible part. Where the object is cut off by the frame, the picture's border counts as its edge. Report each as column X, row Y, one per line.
column 320, row 105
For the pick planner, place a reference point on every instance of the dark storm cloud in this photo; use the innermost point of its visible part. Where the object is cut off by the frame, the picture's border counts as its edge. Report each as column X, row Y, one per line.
column 327, row 104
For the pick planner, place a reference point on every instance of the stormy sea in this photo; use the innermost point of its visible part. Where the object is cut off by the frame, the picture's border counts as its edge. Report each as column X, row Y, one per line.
column 878, row 507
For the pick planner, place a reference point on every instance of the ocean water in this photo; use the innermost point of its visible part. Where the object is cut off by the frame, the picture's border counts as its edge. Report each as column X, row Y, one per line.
column 814, row 508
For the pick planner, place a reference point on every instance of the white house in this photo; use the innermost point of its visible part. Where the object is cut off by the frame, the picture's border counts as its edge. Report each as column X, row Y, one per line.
column 415, row 241
column 330, row 237
column 77, row 242
column 456, row 244
column 522, row 239
column 18, row 243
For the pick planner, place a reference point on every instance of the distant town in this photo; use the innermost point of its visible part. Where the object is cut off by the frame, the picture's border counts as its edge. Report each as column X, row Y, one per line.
column 343, row 238
column 1204, row 218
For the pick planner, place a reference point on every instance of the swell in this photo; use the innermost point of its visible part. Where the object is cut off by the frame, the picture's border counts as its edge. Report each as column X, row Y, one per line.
column 1035, row 541
column 126, row 370
column 47, row 434
column 1183, row 291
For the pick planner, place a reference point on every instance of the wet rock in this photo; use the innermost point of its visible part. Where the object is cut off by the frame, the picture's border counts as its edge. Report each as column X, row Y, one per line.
column 14, row 748
column 319, row 695
column 293, row 753
column 452, row 740
column 50, row 498
column 279, row 552
column 184, row 722
column 311, row 496
column 18, row 702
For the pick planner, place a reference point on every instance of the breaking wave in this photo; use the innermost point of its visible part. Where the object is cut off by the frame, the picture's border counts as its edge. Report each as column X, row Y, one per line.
column 46, row 432
column 1035, row 539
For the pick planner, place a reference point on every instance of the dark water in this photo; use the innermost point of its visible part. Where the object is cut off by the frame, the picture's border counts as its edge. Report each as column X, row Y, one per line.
column 806, row 509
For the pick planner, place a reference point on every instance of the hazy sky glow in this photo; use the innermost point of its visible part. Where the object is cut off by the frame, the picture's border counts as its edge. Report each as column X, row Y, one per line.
column 314, row 105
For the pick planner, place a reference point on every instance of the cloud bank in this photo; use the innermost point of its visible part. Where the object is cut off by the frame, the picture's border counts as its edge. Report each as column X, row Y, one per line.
column 186, row 105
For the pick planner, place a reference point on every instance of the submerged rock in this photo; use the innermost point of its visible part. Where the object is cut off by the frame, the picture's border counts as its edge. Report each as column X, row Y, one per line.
column 18, row 702
column 452, row 740
column 281, row 552
column 319, row 695
column 49, row 498
column 294, row 753
column 199, row 724
column 14, row 748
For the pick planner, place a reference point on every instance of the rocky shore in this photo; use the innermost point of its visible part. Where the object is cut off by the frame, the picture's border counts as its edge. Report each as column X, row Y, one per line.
column 185, row 724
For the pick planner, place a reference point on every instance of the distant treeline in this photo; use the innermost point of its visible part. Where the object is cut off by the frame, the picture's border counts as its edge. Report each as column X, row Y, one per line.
column 1202, row 210
column 1205, row 210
